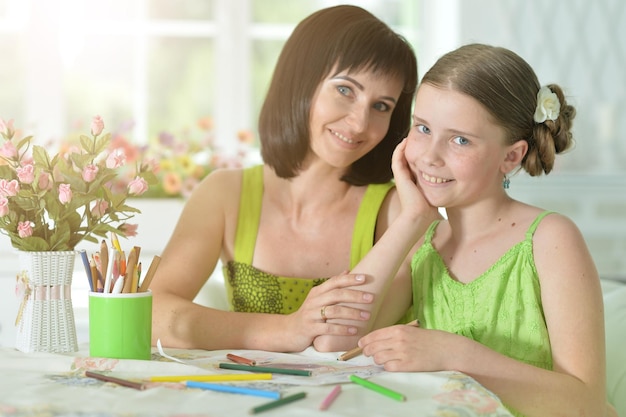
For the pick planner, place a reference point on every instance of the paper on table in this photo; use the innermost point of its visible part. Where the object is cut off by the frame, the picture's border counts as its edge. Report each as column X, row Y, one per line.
column 324, row 367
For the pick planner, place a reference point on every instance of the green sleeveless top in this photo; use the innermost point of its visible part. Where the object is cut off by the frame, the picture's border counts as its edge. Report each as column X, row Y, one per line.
column 251, row 290
column 501, row 309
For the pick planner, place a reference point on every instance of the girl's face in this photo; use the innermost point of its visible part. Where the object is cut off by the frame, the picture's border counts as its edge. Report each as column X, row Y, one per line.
column 350, row 115
column 455, row 149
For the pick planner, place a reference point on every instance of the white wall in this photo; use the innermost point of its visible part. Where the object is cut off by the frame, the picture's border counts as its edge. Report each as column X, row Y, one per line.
column 580, row 45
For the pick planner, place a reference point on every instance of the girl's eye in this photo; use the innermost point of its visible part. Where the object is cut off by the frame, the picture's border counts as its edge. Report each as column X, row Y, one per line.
column 460, row 140
column 423, row 129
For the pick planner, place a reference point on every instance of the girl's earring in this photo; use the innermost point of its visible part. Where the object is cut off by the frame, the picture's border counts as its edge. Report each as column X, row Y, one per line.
column 506, row 183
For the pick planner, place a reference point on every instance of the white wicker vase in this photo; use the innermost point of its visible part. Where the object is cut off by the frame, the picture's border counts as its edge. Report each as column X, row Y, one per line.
column 45, row 319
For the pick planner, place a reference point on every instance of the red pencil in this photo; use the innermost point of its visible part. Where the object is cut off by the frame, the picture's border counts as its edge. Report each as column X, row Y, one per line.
column 241, row 360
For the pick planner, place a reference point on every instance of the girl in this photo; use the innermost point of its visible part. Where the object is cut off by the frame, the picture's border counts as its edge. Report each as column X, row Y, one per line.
column 505, row 292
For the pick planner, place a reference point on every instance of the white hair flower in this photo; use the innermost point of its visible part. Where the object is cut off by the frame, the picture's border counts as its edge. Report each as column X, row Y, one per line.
column 548, row 105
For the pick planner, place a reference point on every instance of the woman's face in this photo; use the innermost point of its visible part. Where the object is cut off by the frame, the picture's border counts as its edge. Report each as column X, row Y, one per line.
column 350, row 115
column 454, row 148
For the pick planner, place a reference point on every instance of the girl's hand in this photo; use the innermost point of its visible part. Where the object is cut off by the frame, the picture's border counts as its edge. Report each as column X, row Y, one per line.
column 411, row 197
column 404, row 348
column 327, row 301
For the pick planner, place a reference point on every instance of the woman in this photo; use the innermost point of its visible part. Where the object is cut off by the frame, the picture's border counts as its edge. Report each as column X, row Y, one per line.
column 338, row 104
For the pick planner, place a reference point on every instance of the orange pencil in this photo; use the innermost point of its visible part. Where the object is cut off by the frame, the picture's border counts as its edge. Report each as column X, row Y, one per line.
column 240, row 359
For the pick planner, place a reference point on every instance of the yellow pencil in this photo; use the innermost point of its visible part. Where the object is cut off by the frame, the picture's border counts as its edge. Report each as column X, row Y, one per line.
column 115, row 241
column 211, row 378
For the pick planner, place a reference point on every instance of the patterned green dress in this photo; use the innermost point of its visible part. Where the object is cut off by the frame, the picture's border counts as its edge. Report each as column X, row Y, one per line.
column 251, row 290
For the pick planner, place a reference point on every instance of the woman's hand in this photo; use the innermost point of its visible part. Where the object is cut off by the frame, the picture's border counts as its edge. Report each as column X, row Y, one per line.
column 326, row 301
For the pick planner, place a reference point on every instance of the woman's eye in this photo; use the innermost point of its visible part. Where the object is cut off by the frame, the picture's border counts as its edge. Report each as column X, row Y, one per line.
column 423, row 129
column 382, row 107
column 460, row 140
column 344, row 90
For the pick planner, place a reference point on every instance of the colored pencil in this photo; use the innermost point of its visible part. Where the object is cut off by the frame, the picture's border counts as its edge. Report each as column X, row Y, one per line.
column 151, row 270
column 278, row 403
column 211, row 378
column 119, row 381
column 240, row 359
column 377, row 388
column 352, row 353
column 232, row 389
column 330, row 398
column 286, row 371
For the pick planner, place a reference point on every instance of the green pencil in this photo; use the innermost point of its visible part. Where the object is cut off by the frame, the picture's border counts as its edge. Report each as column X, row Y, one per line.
column 278, row 403
column 249, row 368
column 378, row 388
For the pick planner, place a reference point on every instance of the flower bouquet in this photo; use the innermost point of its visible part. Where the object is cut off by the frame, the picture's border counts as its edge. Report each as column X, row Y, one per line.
column 180, row 158
column 53, row 203
column 49, row 204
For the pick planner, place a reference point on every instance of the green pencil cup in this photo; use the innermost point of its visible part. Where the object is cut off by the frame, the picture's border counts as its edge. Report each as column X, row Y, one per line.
column 120, row 325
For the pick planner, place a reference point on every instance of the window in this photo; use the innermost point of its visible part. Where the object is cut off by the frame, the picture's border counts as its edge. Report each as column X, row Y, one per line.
column 152, row 65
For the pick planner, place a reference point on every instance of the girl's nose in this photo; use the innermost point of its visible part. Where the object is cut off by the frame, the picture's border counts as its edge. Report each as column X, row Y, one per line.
column 431, row 153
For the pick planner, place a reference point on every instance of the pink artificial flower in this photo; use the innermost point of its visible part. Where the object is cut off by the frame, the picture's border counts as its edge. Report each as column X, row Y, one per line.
column 26, row 173
column 172, row 183
column 8, row 150
column 9, row 188
column 245, row 136
column 129, row 230
column 188, row 185
column 65, row 193
column 6, row 128
column 4, row 206
column 90, row 172
column 25, row 229
column 116, row 158
column 138, row 186
column 97, row 125
column 99, row 208
column 44, row 182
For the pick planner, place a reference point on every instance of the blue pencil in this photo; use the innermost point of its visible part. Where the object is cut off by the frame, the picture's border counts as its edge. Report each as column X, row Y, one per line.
column 83, row 255
column 233, row 389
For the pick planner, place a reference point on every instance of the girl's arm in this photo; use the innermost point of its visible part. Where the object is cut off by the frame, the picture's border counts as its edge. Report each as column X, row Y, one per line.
column 386, row 258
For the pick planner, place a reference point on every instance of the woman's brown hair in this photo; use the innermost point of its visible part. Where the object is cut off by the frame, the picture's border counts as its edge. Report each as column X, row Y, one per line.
column 339, row 38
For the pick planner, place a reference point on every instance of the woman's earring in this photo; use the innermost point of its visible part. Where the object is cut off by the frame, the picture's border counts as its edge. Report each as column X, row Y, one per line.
column 506, row 183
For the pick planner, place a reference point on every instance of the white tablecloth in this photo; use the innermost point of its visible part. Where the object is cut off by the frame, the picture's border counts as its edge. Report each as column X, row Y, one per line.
column 47, row 384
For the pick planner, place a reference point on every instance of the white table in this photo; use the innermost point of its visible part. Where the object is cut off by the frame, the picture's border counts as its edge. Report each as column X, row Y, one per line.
column 54, row 385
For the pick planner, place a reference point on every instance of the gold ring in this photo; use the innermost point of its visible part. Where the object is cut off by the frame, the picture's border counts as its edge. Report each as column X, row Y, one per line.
column 323, row 313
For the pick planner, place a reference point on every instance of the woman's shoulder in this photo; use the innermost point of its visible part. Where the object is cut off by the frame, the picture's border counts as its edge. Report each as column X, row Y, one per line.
column 221, row 186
